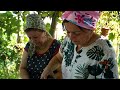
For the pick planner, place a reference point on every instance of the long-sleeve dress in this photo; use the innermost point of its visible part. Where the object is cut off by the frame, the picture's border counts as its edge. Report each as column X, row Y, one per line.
column 96, row 61
column 38, row 62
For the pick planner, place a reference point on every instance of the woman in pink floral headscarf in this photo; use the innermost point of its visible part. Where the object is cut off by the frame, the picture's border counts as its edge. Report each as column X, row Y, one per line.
column 83, row 53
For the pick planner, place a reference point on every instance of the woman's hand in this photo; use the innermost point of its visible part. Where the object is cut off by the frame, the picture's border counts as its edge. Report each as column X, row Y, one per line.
column 47, row 72
column 53, row 65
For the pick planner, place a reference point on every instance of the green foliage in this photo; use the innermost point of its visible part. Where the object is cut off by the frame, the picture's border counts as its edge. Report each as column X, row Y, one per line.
column 111, row 36
column 61, row 39
column 109, row 19
column 48, row 26
column 9, row 54
column 11, row 27
column 9, row 59
column 9, row 24
column 54, row 15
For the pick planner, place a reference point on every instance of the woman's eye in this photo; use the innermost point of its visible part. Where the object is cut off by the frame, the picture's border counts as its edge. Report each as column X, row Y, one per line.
column 68, row 32
column 76, row 33
column 35, row 37
column 29, row 37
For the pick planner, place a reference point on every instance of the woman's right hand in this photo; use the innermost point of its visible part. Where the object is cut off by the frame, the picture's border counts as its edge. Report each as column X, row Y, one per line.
column 47, row 72
column 53, row 64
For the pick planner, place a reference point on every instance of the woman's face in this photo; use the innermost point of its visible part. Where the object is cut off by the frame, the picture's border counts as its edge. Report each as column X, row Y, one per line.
column 36, row 37
column 78, row 36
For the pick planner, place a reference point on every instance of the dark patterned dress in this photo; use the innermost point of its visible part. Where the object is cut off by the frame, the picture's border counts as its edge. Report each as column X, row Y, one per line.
column 96, row 61
column 38, row 62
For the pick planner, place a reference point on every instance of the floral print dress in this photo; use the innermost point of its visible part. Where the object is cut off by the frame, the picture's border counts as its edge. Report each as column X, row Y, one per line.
column 97, row 61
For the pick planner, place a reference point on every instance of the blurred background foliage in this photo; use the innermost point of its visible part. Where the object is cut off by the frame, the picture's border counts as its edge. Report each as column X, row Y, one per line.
column 13, row 38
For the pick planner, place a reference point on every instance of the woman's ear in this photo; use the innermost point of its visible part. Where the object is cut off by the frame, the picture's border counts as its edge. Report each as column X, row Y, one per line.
column 45, row 33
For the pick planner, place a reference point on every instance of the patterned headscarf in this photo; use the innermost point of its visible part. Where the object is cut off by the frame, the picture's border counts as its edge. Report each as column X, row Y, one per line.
column 85, row 19
column 34, row 21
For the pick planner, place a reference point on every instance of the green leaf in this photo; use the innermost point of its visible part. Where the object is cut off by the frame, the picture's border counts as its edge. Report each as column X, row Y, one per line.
column 111, row 36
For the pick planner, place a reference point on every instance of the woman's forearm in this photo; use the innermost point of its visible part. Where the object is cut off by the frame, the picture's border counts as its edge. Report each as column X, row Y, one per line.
column 53, row 64
column 24, row 74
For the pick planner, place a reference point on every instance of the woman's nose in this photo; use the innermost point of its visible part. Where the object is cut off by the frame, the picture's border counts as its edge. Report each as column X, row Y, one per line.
column 33, row 40
column 71, row 35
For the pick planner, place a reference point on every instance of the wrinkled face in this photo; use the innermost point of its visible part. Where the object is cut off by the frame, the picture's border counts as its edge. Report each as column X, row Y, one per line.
column 78, row 36
column 36, row 37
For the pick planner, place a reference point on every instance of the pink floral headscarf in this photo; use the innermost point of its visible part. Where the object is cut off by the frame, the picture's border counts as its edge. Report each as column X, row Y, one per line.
column 85, row 19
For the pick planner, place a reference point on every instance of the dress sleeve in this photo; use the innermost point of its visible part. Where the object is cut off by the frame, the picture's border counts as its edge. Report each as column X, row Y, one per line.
column 109, row 62
column 57, row 45
column 27, row 46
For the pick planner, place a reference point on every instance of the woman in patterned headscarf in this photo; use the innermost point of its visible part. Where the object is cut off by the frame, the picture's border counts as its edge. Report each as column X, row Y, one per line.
column 39, row 50
column 83, row 53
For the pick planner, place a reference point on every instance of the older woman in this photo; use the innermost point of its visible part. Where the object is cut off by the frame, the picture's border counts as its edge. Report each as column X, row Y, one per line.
column 39, row 50
column 83, row 53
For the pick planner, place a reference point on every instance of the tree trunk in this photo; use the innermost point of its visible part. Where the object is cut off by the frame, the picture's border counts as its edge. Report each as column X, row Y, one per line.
column 18, row 31
column 54, row 23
